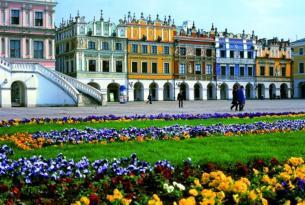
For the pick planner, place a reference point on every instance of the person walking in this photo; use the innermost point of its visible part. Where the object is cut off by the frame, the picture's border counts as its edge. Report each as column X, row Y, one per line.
column 241, row 98
column 234, row 100
column 180, row 99
column 149, row 99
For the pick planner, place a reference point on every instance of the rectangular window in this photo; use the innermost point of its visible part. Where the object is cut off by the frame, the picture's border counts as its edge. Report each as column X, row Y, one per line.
column 72, row 66
column 301, row 67
column 166, row 50
column 209, row 69
column 198, row 51
column 134, row 48
column 118, row 46
column 50, row 48
column 154, row 49
column 15, row 16
column 38, row 18
column 197, row 69
column 144, row 49
column 154, row 68
column 3, row 17
column 15, row 48
column 182, row 51
column 250, row 71
column 284, row 71
column 242, row 71
column 250, row 55
column 3, row 45
column 209, row 53
column 67, row 67
column 134, row 67
column 222, row 54
column 92, row 65
column 262, row 70
column 182, row 68
column 38, row 49
column 27, row 47
column 91, row 45
column 231, row 54
column 301, row 51
column 119, row 66
column 223, row 70
column 106, row 66
column 271, row 73
column 166, row 68
column 231, row 70
column 241, row 54
column 105, row 46
column 144, row 67
column 67, row 46
column 27, row 18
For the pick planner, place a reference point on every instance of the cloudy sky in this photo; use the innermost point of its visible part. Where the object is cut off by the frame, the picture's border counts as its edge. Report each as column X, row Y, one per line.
column 268, row 18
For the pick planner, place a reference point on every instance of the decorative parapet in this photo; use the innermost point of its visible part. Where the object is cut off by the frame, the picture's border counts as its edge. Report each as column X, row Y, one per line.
column 235, row 61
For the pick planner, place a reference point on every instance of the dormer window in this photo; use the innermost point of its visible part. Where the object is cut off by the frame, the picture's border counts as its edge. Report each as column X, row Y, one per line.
column 38, row 18
column 15, row 16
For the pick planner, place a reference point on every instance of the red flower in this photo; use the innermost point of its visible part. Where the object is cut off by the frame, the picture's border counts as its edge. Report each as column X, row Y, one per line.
column 3, row 188
column 94, row 199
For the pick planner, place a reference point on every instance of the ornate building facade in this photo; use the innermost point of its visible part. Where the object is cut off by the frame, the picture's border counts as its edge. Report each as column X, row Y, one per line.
column 235, row 63
column 298, row 68
column 194, row 61
column 94, row 52
column 273, row 69
column 27, row 31
column 150, row 57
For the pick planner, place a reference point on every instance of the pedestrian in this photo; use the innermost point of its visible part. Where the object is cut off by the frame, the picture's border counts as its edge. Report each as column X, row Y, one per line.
column 149, row 99
column 241, row 98
column 234, row 99
column 180, row 99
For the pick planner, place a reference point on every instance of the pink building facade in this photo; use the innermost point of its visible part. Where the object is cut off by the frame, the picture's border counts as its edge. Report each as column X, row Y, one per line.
column 27, row 31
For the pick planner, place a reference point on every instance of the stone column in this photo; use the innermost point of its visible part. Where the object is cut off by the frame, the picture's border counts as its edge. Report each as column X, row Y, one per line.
column 267, row 92
column 218, row 93
column 46, row 49
column 160, row 93
column 6, row 47
column 191, row 92
column 6, row 97
column 230, row 94
column 204, row 93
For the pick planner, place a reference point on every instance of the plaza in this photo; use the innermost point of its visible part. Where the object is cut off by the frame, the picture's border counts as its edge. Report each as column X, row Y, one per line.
column 141, row 108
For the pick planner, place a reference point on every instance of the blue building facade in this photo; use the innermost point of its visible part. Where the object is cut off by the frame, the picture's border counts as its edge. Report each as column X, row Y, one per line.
column 235, row 63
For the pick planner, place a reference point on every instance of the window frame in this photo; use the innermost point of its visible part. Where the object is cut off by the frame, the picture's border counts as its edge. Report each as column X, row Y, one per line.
column 11, row 19
column 144, row 63
column 36, row 19
column 40, row 55
column 89, row 65
column 164, row 68
column 132, row 66
column 152, row 68
column 16, row 50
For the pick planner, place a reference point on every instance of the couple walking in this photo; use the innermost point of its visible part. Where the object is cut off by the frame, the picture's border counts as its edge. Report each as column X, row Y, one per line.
column 239, row 99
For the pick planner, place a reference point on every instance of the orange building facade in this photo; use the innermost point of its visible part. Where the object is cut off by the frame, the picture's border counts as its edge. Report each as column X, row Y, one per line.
column 150, row 57
column 273, row 69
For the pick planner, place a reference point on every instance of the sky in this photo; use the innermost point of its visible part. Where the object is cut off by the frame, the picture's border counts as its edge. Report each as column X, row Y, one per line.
column 268, row 18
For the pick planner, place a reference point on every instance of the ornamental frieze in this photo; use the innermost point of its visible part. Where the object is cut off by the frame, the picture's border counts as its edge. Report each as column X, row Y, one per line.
column 235, row 61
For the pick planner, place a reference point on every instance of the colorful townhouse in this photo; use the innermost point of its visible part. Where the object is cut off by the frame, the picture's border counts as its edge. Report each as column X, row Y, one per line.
column 273, row 69
column 150, row 57
column 298, row 73
column 27, row 31
column 194, row 62
column 235, row 64
column 94, row 52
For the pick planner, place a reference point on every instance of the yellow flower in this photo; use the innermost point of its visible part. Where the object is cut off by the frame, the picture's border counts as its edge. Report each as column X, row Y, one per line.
column 287, row 202
column 264, row 201
column 252, row 195
column 239, row 187
column 256, row 172
column 285, row 176
column 155, row 200
column 208, row 194
column 197, row 182
column 220, row 195
column 126, row 201
column 85, row 200
column 189, row 201
column 193, row 192
column 77, row 203
column 295, row 161
column 236, row 198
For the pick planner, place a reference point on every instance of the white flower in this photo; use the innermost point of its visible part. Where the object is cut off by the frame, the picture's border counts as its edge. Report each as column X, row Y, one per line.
column 168, row 188
column 179, row 186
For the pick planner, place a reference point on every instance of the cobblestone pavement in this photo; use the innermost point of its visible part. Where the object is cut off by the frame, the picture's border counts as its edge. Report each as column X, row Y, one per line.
column 221, row 106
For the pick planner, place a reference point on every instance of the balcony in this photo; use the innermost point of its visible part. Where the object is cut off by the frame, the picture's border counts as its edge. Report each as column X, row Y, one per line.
column 235, row 78
column 205, row 77
column 272, row 79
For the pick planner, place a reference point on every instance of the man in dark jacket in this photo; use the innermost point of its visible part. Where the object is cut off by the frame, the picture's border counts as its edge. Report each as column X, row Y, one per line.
column 241, row 98
column 180, row 99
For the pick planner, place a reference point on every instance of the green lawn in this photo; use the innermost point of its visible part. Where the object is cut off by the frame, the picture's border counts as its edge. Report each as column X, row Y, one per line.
column 220, row 150
column 118, row 125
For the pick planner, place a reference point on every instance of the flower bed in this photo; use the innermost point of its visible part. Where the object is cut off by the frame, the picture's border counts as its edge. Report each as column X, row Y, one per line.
column 125, row 181
column 105, row 135
column 105, row 118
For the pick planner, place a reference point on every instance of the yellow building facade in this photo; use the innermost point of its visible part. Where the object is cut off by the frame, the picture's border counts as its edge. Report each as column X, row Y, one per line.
column 150, row 57
column 273, row 69
column 298, row 73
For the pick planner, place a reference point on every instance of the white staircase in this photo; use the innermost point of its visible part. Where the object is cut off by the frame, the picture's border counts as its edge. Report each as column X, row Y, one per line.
column 84, row 88
column 77, row 90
